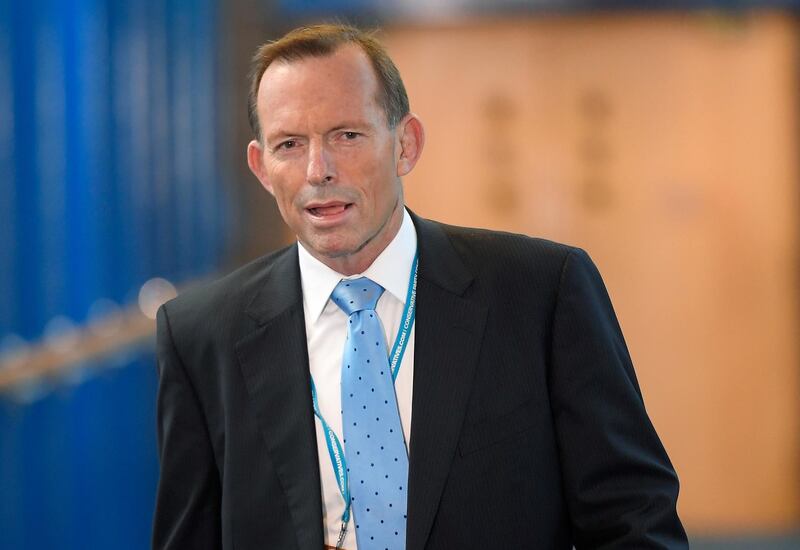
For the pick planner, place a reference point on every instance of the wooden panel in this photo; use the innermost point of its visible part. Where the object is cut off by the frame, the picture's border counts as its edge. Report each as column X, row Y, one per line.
column 666, row 146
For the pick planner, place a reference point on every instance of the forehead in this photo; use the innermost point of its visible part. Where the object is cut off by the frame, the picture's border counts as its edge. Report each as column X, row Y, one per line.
column 341, row 84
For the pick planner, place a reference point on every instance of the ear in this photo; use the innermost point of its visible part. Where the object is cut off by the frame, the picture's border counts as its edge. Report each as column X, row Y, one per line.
column 411, row 139
column 255, row 160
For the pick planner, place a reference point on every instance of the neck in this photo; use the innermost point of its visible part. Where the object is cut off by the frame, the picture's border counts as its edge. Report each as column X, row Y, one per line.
column 360, row 260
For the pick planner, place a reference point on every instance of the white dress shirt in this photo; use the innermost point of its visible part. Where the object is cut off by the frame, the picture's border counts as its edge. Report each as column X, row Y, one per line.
column 326, row 331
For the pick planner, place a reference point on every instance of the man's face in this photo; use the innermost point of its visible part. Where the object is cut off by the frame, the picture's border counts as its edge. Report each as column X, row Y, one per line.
column 329, row 158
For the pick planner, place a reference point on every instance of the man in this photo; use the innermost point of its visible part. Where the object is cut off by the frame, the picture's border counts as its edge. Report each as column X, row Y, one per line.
column 507, row 414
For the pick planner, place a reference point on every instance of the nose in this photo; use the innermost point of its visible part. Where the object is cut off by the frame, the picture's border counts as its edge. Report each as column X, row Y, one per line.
column 320, row 168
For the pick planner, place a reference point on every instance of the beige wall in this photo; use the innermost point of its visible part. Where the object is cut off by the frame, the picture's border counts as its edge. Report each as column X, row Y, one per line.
column 667, row 147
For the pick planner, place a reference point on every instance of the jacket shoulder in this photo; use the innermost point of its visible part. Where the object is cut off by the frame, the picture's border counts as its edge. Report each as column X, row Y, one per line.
column 215, row 303
column 510, row 255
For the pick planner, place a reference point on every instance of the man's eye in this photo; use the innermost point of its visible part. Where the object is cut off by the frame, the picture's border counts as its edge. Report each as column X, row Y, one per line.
column 351, row 135
column 288, row 144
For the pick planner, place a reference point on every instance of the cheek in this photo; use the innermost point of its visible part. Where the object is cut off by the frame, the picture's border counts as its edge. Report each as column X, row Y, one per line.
column 282, row 181
column 379, row 176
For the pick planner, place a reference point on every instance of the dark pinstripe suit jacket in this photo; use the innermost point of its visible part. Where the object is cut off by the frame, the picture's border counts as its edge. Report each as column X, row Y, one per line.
column 529, row 430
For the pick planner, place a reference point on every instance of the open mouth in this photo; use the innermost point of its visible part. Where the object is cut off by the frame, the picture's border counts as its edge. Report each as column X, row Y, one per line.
column 331, row 209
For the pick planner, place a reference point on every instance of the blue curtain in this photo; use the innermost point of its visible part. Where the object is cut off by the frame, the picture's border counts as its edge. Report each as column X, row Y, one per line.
column 109, row 176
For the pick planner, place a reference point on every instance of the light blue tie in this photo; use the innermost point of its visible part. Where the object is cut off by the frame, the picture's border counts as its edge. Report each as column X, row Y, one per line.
column 373, row 438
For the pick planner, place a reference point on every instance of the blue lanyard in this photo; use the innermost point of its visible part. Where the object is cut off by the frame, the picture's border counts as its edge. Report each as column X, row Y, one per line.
column 399, row 348
column 338, row 460
column 335, row 449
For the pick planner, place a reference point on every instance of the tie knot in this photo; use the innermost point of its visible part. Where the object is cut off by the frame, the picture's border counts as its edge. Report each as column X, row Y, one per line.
column 353, row 295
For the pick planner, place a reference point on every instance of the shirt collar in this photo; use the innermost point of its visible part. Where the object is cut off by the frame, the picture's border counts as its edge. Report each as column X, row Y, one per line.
column 391, row 269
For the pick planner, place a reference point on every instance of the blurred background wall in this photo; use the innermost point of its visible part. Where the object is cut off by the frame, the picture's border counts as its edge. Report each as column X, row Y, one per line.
column 662, row 137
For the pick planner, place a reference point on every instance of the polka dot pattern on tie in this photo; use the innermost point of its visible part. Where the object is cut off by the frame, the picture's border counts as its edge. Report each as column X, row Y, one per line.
column 374, row 447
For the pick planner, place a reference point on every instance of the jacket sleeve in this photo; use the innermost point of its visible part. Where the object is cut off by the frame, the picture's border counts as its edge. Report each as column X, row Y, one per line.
column 620, row 486
column 187, row 511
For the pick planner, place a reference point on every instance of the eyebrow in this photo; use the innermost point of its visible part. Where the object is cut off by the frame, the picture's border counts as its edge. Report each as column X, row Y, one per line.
column 279, row 135
column 364, row 125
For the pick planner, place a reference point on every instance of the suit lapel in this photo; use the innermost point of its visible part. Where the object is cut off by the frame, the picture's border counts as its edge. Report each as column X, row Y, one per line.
column 274, row 364
column 449, row 332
